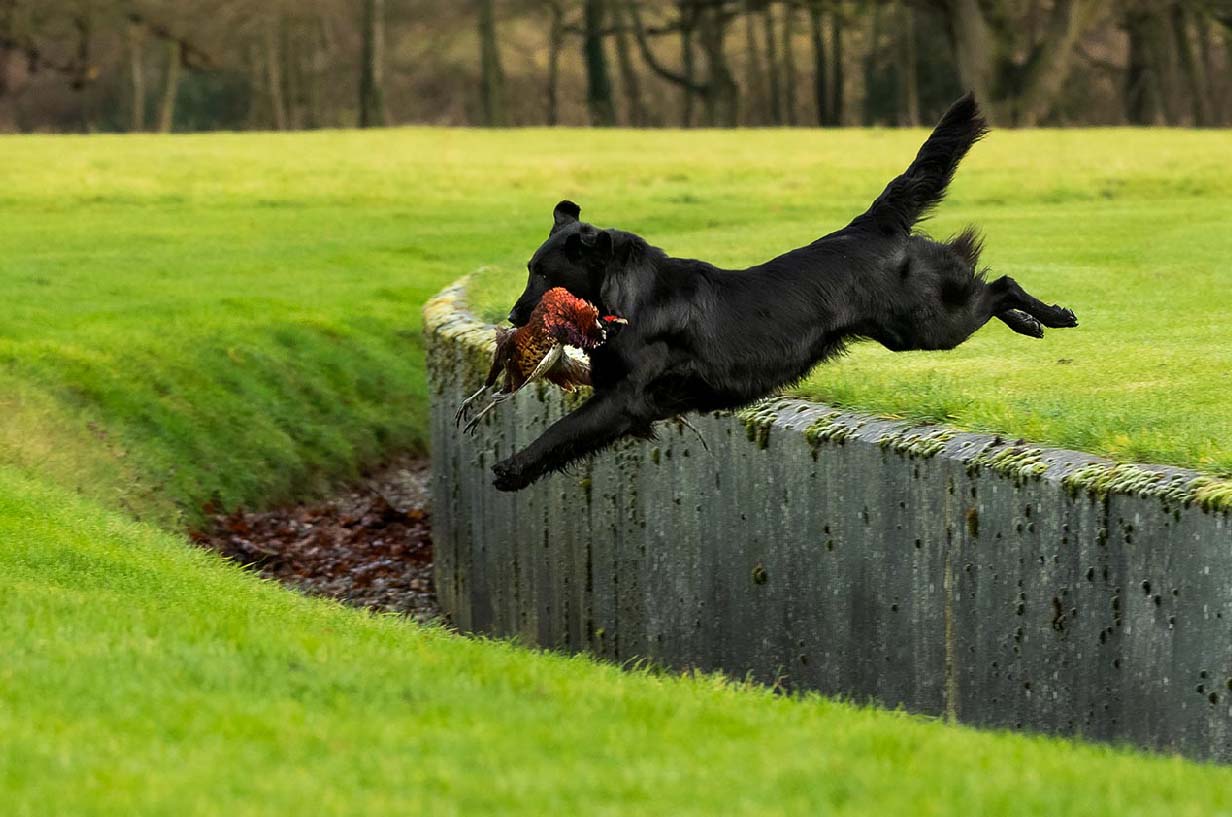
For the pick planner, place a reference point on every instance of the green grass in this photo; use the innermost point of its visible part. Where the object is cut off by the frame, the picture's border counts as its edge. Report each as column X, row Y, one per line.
column 236, row 318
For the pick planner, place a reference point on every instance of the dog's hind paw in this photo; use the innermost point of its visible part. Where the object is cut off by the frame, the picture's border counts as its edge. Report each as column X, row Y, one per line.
column 1062, row 318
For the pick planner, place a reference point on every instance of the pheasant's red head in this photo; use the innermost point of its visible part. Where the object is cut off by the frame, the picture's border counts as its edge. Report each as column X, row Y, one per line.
column 570, row 319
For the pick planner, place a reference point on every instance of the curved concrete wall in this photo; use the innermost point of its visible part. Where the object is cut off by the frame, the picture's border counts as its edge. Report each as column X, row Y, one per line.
column 950, row 573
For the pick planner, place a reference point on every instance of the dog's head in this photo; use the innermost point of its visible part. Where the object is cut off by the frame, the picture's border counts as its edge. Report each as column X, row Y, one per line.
column 575, row 256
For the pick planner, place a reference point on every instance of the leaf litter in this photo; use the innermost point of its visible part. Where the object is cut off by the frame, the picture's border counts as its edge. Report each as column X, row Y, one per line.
column 369, row 546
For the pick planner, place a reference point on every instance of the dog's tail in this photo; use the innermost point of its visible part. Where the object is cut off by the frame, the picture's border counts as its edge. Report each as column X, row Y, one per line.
column 908, row 198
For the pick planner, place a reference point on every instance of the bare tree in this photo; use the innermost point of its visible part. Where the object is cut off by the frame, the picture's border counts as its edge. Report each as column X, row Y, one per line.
column 1017, row 81
column 65, row 64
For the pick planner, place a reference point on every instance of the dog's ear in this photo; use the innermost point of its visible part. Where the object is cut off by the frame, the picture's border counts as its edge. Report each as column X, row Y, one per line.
column 566, row 213
column 589, row 246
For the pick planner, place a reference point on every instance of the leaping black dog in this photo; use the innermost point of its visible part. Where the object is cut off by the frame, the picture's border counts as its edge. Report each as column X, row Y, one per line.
column 701, row 338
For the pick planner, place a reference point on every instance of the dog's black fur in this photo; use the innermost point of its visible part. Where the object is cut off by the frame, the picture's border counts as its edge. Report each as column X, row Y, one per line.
column 700, row 338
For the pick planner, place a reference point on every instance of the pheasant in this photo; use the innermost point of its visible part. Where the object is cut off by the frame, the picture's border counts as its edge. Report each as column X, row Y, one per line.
column 537, row 350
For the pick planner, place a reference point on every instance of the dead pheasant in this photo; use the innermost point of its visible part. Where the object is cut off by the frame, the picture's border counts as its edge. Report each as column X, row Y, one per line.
column 537, row 350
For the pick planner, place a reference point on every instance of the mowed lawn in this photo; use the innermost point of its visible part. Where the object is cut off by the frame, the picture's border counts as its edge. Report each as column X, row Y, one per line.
column 235, row 319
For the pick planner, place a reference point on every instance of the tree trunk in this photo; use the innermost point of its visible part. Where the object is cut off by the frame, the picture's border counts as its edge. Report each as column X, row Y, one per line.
column 821, row 96
column 973, row 49
column 871, row 104
column 753, row 86
column 1191, row 67
column 684, row 79
column 556, row 41
column 491, row 74
column 789, row 64
column 722, row 96
column 293, row 76
column 84, row 72
column 273, row 76
column 1146, row 79
column 688, row 66
column 255, row 71
column 989, row 56
column 372, row 65
column 837, row 74
column 171, row 86
column 1048, row 67
column 635, row 113
column 313, row 117
column 908, row 73
column 136, row 75
column 598, row 83
column 1209, row 69
column 774, row 89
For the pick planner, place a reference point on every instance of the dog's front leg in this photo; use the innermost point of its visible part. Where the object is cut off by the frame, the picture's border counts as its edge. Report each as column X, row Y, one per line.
column 598, row 422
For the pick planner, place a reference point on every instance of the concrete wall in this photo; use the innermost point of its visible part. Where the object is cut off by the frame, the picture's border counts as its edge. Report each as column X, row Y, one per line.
column 949, row 573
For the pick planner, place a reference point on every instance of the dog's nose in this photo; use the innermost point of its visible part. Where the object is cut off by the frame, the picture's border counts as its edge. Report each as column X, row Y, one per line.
column 512, row 313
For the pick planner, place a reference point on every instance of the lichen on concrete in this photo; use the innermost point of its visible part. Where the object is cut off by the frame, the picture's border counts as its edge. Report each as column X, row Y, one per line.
column 825, row 429
column 1101, row 479
column 1019, row 462
column 916, row 442
column 758, row 419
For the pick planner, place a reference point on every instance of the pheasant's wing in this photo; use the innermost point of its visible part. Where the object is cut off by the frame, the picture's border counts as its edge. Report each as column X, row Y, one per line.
column 545, row 365
column 500, row 358
column 570, row 372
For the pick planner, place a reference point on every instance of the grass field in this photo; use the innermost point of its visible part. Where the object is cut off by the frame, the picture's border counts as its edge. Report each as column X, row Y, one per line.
column 236, row 318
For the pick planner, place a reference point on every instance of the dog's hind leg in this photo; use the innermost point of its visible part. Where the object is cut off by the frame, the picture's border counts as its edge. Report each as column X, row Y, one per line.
column 1021, row 322
column 1006, row 294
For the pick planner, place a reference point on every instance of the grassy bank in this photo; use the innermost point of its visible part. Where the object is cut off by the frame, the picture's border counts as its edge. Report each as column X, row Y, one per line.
column 143, row 677
column 236, row 318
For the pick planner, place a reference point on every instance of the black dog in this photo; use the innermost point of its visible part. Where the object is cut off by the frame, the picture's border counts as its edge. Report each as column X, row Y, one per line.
column 700, row 338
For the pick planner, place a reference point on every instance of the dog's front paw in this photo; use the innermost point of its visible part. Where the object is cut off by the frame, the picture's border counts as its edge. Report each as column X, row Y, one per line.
column 509, row 476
